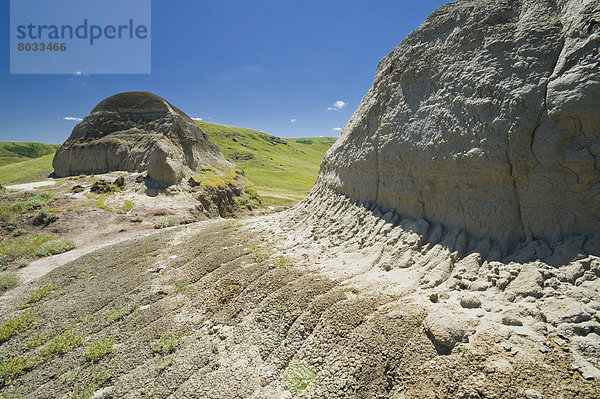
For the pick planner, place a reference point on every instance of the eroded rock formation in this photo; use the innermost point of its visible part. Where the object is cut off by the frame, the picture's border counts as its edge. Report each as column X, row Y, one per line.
column 485, row 118
column 136, row 132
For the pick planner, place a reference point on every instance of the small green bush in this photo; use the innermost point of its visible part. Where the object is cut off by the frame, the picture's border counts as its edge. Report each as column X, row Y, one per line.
column 60, row 345
column 165, row 345
column 7, row 281
column 299, row 376
column 99, row 349
column 136, row 219
column 282, row 262
column 118, row 314
column 304, row 141
column 15, row 325
column 40, row 294
column 10, row 367
column 260, row 254
column 168, row 221
column 55, row 247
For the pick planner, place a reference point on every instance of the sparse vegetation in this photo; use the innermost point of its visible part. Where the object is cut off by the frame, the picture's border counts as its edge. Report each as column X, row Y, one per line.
column 118, row 314
column 260, row 254
column 16, row 324
column 232, row 224
column 38, row 339
column 99, row 201
column 60, row 345
column 167, row 221
column 299, row 376
column 165, row 345
column 281, row 261
column 40, row 294
column 127, row 205
column 163, row 363
column 55, row 247
column 180, row 286
column 22, row 247
column 136, row 219
column 7, row 281
column 213, row 177
column 10, row 367
column 99, row 349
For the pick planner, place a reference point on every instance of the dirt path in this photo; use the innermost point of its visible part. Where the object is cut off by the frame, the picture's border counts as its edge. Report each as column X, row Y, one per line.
column 39, row 268
column 30, row 186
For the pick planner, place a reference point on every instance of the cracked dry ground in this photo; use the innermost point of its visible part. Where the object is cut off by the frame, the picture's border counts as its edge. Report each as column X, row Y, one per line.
column 234, row 325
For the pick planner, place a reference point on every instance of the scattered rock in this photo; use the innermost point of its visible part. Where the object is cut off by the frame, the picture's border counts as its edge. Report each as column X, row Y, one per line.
column 396, row 314
column 445, row 332
column 139, row 179
column 120, row 182
column 533, row 394
column 434, row 297
column 528, row 282
column 102, row 187
column 509, row 320
column 77, row 189
column 193, row 182
column 470, row 302
column 564, row 310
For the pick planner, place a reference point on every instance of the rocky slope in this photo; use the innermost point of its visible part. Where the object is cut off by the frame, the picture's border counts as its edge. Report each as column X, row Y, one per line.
column 484, row 118
column 137, row 132
column 209, row 311
column 467, row 182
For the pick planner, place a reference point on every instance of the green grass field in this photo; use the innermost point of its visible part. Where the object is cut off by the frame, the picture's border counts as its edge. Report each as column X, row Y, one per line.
column 283, row 173
column 23, row 160
column 36, row 168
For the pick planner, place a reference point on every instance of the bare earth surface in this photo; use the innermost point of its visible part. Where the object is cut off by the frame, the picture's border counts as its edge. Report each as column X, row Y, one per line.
column 250, row 319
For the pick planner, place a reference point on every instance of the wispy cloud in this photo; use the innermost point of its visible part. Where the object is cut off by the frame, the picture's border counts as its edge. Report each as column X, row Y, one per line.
column 197, row 119
column 337, row 129
column 336, row 106
column 72, row 118
column 292, row 120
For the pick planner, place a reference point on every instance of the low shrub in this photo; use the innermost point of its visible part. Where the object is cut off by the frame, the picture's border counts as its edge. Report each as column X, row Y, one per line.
column 7, row 281
column 55, row 247
column 168, row 221
column 99, row 349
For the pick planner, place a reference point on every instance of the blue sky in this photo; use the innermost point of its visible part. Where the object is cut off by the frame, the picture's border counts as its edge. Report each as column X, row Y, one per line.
column 259, row 64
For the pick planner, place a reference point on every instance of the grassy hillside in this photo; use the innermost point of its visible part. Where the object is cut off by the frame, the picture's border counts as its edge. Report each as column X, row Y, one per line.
column 283, row 171
column 15, row 152
column 29, row 168
column 28, row 150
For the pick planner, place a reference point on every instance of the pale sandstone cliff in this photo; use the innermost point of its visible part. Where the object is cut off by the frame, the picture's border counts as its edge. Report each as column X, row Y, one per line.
column 485, row 118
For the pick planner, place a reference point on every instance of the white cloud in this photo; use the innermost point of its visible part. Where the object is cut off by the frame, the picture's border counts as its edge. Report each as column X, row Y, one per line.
column 336, row 106
column 292, row 120
column 72, row 118
column 197, row 119
column 337, row 129
column 79, row 72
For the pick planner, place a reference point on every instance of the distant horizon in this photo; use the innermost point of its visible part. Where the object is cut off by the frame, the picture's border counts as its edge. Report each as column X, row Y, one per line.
column 292, row 70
